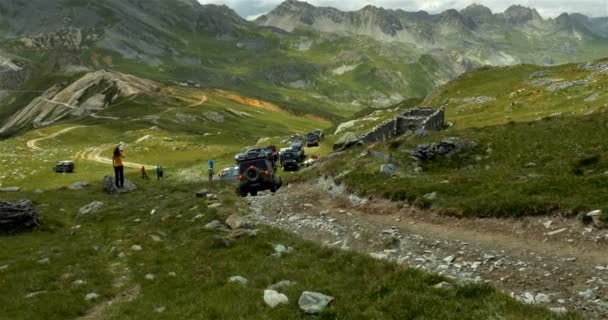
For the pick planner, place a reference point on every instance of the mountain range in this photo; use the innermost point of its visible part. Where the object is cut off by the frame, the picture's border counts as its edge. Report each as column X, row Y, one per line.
column 306, row 58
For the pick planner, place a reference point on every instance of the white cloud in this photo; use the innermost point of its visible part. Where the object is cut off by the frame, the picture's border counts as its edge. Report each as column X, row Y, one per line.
column 547, row 8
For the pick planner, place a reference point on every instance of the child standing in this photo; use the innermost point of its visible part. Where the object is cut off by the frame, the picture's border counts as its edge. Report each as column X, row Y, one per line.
column 144, row 175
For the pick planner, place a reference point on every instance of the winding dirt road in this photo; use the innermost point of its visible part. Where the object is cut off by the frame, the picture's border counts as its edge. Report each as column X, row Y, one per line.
column 91, row 154
column 32, row 143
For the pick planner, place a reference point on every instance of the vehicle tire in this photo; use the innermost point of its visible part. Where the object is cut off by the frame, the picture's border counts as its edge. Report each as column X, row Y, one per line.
column 252, row 174
column 243, row 193
column 273, row 188
column 254, row 193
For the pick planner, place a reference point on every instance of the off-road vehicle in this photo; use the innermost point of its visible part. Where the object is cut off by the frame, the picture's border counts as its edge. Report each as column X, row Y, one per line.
column 64, row 167
column 254, row 152
column 298, row 148
column 312, row 140
column 257, row 174
column 290, row 161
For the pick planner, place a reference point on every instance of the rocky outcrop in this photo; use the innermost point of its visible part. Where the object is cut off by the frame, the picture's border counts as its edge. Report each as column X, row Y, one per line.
column 109, row 186
column 89, row 94
column 18, row 216
column 68, row 38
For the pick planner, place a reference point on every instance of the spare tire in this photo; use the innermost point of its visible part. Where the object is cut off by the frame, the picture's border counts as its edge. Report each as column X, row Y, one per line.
column 252, row 174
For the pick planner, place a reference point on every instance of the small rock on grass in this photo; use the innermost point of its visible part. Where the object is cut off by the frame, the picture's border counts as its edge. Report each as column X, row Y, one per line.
column 150, row 277
column 214, row 225
column 234, row 221
column 443, row 285
column 91, row 296
column 314, row 302
column 238, row 279
column 136, row 247
column 273, row 298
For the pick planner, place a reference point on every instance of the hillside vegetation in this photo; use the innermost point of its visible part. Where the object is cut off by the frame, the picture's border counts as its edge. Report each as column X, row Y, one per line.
column 521, row 148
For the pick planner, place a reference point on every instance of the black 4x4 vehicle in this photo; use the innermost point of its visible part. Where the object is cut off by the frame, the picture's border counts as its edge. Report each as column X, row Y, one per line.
column 290, row 160
column 257, row 174
column 312, row 140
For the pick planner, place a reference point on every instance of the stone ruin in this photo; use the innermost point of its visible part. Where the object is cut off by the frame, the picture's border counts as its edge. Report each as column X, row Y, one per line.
column 412, row 120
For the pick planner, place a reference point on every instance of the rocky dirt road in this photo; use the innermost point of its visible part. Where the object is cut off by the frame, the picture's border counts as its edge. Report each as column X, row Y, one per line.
column 550, row 261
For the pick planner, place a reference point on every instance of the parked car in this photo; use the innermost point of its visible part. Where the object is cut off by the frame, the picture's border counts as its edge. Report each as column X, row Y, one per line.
column 298, row 148
column 312, row 140
column 290, row 161
column 64, row 167
column 230, row 174
column 319, row 133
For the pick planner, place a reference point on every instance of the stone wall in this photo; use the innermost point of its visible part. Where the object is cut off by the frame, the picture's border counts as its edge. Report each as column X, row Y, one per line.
column 411, row 120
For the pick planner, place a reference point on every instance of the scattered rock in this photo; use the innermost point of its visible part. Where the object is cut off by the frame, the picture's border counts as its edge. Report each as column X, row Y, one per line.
column 282, row 284
column 587, row 294
column 202, row 193
column 530, row 165
column 34, row 294
column 10, row 189
column 214, row 205
column 443, row 285
column 235, row 221
column 431, row 196
column 91, row 296
column 593, row 97
column 78, row 185
column 109, row 186
column 214, row 225
column 445, row 148
column 78, row 282
column 559, row 310
column 542, row 298
column 548, row 224
column 596, row 216
column 160, row 309
column 280, row 249
column 314, row 302
column 238, row 279
column 91, row 207
column 389, row 169
column 155, row 238
column 552, row 233
column 150, row 277
column 18, row 216
column 136, row 247
column 273, row 298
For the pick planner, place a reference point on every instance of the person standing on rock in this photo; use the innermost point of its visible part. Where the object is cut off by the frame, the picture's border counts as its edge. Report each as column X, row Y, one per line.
column 119, row 169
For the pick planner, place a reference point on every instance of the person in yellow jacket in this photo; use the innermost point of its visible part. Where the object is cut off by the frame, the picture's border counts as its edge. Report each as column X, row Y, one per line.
column 119, row 169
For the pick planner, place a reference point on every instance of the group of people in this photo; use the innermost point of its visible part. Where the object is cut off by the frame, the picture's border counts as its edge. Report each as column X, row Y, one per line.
column 119, row 168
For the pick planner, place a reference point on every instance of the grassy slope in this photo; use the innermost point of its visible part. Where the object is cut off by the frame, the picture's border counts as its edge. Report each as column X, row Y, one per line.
column 182, row 137
column 566, row 147
column 364, row 288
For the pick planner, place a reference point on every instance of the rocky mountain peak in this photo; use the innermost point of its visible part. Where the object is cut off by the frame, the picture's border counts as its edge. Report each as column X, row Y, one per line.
column 517, row 14
column 477, row 11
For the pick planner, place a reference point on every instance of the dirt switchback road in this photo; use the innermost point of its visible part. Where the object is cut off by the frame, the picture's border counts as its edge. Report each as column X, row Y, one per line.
column 549, row 261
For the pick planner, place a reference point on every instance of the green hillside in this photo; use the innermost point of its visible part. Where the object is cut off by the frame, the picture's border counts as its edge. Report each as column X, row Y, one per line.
column 523, row 148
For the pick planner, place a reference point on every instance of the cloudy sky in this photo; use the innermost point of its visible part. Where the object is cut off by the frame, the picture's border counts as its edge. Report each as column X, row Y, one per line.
column 548, row 8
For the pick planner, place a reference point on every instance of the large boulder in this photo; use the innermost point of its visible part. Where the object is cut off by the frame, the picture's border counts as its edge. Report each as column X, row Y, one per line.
column 273, row 298
column 347, row 141
column 314, row 302
column 18, row 216
column 109, row 186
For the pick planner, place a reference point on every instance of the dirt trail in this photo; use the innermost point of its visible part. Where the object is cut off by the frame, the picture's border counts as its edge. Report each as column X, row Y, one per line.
column 94, row 154
column 32, row 143
column 562, row 266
